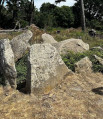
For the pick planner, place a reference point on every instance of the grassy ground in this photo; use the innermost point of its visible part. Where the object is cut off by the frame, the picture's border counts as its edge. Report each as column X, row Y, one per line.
column 78, row 34
column 71, row 58
column 77, row 97
column 9, row 35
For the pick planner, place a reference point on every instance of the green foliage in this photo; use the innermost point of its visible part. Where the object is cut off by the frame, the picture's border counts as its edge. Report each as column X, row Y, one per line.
column 93, row 13
column 47, row 8
column 64, row 16
column 21, row 67
column 71, row 58
column 16, row 10
column 50, row 15
column 95, row 24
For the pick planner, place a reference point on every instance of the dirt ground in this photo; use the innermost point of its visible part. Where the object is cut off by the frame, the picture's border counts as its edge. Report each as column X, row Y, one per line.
column 77, row 97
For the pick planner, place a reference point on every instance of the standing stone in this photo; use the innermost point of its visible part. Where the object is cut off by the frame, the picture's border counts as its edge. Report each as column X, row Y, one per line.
column 7, row 62
column 83, row 66
column 20, row 44
column 45, row 68
column 48, row 38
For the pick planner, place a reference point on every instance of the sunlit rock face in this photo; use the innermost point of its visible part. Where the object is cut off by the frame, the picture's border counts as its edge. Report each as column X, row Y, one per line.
column 7, row 63
column 45, row 68
column 20, row 44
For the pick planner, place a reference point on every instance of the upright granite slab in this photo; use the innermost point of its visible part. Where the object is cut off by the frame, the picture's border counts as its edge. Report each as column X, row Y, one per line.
column 45, row 68
column 7, row 63
column 20, row 44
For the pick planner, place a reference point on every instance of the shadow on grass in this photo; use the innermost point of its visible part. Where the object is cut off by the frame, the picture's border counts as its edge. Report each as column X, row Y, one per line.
column 98, row 91
column 2, row 80
column 21, row 87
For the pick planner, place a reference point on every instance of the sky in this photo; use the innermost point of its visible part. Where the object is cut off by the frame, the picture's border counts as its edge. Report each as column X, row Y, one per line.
column 38, row 3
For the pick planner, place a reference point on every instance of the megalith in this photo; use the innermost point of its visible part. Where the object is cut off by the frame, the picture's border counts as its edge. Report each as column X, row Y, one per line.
column 45, row 68
column 7, row 63
column 20, row 44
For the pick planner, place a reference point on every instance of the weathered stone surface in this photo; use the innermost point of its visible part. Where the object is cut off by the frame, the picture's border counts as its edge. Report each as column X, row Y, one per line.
column 48, row 38
column 76, row 45
column 45, row 68
column 20, row 44
column 83, row 66
column 99, row 59
column 7, row 62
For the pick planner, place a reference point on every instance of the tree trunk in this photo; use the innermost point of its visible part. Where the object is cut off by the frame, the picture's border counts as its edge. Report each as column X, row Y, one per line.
column 32, row 12
column 31, row 8
column 83, row 16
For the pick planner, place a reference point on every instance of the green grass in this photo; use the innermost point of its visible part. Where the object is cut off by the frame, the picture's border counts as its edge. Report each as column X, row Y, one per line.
column 78, row 34
column 71, row 58
column 21, row 67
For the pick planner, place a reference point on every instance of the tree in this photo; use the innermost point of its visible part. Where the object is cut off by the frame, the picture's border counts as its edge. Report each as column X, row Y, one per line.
column 32, row 11
column 1, row 4
column 83, row 16
column 1, row 7
column 47, row 7
column 21, row 10
column 82, row 12
column 47, row 18
column 64, row 16
column 93, row 11
column 13, row 7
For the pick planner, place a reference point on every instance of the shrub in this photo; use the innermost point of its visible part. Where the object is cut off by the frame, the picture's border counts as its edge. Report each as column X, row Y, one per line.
column 71, row 58
column 21, row 67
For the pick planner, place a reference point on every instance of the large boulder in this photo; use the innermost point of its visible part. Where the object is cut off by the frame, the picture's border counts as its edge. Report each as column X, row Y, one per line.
column 7, row 63
column 75, row 45
column 48, row 38
column 20, row 44
column 45, row 68
column 83, row 66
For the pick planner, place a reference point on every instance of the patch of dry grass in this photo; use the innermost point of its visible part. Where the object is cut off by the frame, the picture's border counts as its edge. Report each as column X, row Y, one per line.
column 10, row 35
column 35, row 30
column 78, row 34
column 73, row 98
